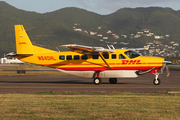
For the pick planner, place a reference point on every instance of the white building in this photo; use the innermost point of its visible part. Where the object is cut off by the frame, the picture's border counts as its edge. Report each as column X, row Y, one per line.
column 157, row 37
column 10, row 61
column 99, row 35
column 109, row 31
column 125, row 36
column 105, row 38
column 93, row 33
column 139, row 32
column 137, row 36
column 77, row 29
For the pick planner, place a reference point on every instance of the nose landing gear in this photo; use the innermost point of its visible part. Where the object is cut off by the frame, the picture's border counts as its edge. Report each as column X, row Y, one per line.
column 156, row 81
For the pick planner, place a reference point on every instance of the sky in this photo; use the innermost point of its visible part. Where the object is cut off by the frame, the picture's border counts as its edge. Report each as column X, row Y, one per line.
column 102, row 7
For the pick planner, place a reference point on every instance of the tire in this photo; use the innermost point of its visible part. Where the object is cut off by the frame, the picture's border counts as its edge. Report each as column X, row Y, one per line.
column 112, row 80
column 156, row 82
column 97, row 81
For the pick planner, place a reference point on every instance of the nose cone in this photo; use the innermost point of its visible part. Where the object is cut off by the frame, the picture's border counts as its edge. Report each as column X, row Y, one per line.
column 167, row 61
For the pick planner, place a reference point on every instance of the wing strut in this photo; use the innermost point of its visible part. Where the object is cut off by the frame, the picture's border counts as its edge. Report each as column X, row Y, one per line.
column 104, row 60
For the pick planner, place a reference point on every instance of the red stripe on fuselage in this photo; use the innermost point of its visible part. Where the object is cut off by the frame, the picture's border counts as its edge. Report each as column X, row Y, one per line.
column 105, row 68
column 82, row 65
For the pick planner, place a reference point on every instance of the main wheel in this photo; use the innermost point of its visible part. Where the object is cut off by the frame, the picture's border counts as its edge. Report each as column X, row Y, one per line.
column 97, row 81
column 113, row 80
column 156, row 82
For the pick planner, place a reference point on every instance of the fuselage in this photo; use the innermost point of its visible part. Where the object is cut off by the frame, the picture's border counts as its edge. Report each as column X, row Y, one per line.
column 73, row 61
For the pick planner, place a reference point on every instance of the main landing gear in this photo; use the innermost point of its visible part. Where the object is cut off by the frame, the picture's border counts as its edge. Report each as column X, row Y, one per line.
column 156, row 80
column 97, row 81
column 113, row 80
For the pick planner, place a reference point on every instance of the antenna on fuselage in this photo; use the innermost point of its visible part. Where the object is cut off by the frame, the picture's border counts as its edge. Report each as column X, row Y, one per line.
column 58, row 49
column 112, row 46
column 108, row 46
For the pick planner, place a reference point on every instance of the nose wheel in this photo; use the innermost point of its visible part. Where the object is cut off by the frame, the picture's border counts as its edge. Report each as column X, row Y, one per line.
column 156, row 81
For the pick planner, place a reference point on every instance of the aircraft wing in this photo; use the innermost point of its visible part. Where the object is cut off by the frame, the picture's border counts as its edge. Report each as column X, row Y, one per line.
column 134, row 49
column 87, row 48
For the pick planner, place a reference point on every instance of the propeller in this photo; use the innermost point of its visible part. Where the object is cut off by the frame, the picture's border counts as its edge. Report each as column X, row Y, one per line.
column 166, row 62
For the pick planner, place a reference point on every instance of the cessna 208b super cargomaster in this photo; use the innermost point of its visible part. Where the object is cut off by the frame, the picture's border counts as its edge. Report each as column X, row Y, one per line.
column 90, row 62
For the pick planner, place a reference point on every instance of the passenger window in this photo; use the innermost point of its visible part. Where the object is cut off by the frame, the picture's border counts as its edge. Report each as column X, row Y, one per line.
column 84, row 57
column 113, row 56
column 69, row 57
column 76, row 57
column 121, row 56
column 106, row 56
column 62, row 57
column 95, row 56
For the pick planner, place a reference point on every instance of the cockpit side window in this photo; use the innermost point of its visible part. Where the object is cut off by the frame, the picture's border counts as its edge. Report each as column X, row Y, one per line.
column 121, row 56
column 62, row 57
column 131, row 54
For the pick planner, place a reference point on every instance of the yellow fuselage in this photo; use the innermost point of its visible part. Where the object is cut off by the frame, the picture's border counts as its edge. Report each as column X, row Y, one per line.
column 71, row 61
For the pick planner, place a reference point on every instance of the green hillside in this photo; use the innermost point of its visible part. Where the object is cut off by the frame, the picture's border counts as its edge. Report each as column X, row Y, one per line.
column 72, row 15
column 56, row 28
column 55, row 34
column 160, row 20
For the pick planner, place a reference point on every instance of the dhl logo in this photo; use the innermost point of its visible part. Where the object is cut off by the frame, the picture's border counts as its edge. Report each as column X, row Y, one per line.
column 46, row 58
column 22, row 43
column 131, row 62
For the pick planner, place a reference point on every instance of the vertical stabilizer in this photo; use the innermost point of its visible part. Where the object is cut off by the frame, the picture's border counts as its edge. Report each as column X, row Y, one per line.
column 23, row 43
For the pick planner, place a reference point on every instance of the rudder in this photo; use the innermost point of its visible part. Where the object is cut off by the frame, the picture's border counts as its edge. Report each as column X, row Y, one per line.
column 23, row 43
column 24, row 47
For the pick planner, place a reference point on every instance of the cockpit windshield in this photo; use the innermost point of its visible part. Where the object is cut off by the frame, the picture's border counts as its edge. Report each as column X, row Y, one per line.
column 131, row 54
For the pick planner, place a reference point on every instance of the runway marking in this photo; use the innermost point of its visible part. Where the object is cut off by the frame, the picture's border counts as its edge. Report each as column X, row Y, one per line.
column 174, row 92
column 81, row 87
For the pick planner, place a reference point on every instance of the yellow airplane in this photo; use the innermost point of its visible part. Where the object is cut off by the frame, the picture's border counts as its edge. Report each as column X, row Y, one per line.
column 90, row 62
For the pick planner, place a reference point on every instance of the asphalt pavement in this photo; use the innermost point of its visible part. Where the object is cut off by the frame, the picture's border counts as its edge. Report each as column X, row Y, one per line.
column 33, row 84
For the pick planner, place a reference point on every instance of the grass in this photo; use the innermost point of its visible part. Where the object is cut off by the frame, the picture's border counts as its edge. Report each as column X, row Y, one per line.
column 87, row 107
column 80, row 106
column 46, row 92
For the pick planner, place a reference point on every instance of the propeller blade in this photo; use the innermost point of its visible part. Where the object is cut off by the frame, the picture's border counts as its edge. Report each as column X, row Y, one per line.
column 166, row 62
column 162, row 68
column 167, row 70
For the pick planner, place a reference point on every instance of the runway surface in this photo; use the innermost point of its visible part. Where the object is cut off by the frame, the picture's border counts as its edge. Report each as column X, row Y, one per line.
column 32, row 84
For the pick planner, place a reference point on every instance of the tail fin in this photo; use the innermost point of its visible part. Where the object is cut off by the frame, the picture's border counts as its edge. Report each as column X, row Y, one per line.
column 24, row 45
